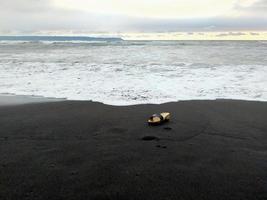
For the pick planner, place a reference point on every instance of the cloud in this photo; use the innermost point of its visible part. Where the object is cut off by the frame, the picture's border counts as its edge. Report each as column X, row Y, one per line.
column 200, row 25
column 252, row 33
column 23, row 6
column 29, row 16
column 230, row 34
column 43, row 16
column 252, row 7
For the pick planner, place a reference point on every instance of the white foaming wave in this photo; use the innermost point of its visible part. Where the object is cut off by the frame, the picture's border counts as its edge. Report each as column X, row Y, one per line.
column 122, row 73
column 70, row 42
column 141, row 84
column 103, row 42
column 15, row 42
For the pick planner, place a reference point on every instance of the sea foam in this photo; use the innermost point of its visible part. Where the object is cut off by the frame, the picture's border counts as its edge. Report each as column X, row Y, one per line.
column 135, row 72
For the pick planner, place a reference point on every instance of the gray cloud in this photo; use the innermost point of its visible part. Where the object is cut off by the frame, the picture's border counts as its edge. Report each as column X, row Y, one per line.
column 25, row 6
column 27, row 16
column 35, row 16
column 252, row 33
column 257, row 8
column 208, row 24
column 230, row 34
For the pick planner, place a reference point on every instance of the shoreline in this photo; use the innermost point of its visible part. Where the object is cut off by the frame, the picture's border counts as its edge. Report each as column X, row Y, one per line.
column 88, row 150
column 9, row 99
column 13, row 99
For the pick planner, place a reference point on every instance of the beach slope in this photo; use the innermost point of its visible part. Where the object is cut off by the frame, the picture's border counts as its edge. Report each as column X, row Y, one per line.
column 212, row 150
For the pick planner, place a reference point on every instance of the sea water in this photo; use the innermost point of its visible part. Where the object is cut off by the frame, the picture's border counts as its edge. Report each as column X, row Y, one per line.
column 121, row 72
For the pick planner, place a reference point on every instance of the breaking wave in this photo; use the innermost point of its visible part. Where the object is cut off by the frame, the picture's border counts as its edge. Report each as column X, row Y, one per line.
column 132, row 72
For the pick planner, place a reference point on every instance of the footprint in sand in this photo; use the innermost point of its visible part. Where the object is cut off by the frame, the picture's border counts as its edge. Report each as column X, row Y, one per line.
column 161, row 146
column 167, row 128
column 149, row 138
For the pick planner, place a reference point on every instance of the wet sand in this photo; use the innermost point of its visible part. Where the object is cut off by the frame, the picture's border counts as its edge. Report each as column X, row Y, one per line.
column 9, row 99
column 212, row 150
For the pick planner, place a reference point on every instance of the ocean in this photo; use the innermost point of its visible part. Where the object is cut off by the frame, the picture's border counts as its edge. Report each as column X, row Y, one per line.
column 120, row 72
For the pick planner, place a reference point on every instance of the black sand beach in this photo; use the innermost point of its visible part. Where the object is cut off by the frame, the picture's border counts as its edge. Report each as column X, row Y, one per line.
column 212, row 150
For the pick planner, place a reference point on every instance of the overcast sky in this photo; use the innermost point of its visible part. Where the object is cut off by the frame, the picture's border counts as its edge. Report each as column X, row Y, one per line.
column 82, row 16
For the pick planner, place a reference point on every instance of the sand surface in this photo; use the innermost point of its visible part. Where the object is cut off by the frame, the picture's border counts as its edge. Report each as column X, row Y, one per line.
column 71, row 150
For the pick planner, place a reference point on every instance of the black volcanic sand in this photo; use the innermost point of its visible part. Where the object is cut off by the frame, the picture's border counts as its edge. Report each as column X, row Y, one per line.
column 72, row 150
